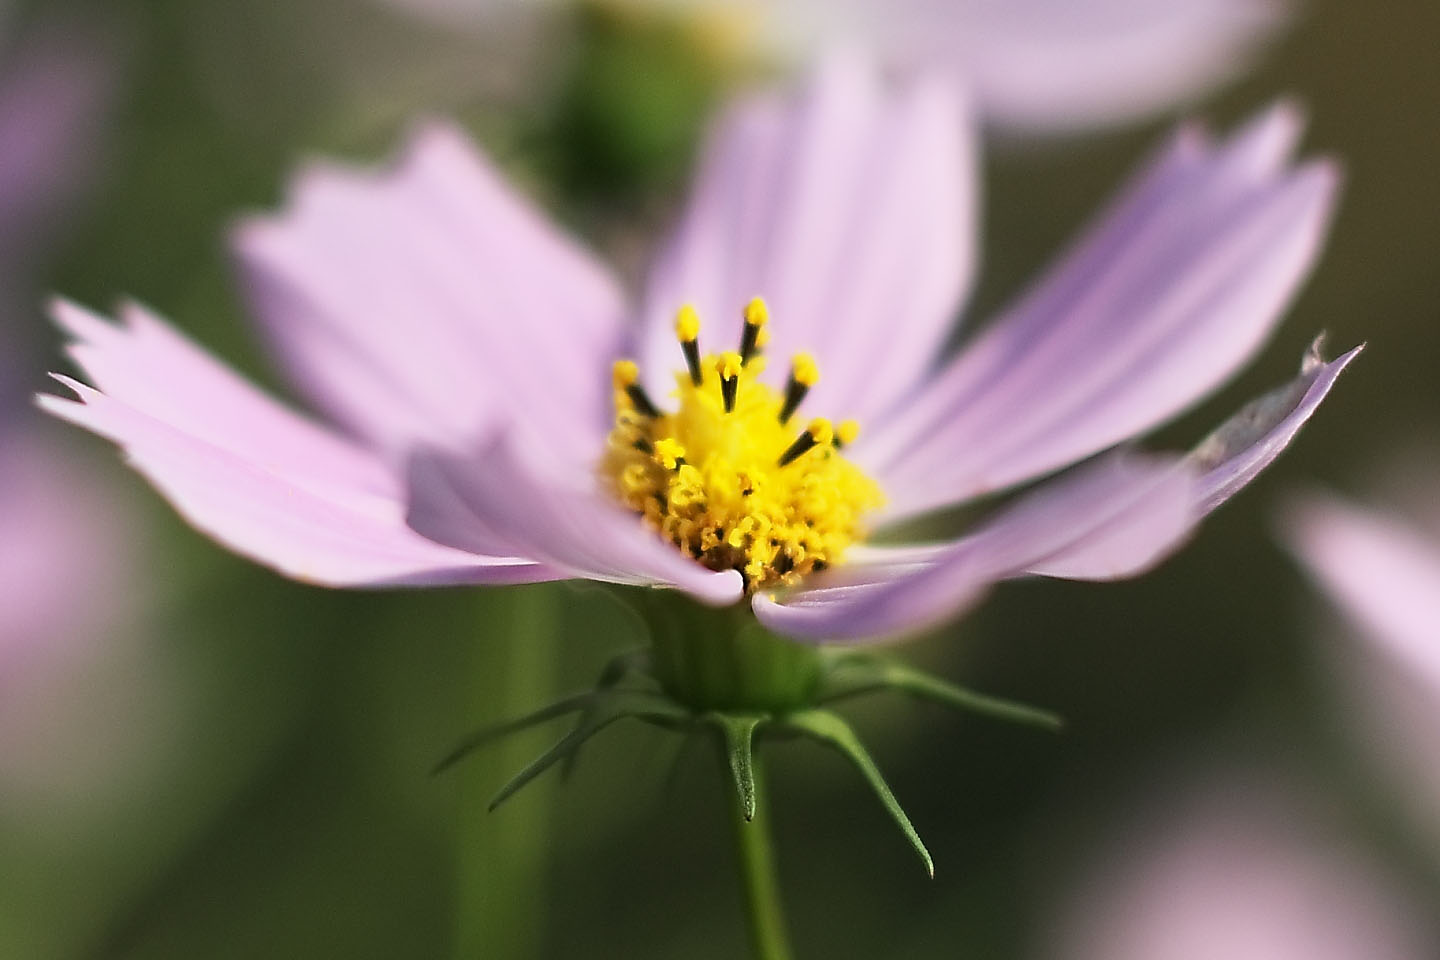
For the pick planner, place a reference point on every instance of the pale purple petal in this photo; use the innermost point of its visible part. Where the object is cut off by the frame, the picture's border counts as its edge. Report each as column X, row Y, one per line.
column 1242, row 868
column 265, row 482
column 429, row 302
column 1115, row 518
column 1226, row 461
column 1250, row 441
column 1104, row 522
column 851, row 211
column 496, row 500
column 1167, row 297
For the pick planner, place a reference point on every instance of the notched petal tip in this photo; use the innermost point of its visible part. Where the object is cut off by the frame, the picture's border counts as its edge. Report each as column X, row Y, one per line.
column 317, row 174
column 1247, row 443
column 1268, row 411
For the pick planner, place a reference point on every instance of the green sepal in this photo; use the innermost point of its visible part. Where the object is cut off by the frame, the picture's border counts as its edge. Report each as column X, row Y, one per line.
column 634, row 684
column 616, row 669
column 605, row 710
column 857, row 674
column 489, row 734
column 737, row 732
column 832, row 730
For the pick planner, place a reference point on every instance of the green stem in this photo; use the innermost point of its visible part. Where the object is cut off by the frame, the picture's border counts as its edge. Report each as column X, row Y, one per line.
column 768, row 937
column 501, row 881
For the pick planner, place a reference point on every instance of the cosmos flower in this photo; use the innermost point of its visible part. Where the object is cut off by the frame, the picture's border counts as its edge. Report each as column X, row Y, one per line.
column 1242, row 867
column 1381, row 569
column 490, row 425
column 1029, row 65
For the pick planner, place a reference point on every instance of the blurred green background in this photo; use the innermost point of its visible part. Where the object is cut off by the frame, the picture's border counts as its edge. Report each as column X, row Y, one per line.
column 281, row 806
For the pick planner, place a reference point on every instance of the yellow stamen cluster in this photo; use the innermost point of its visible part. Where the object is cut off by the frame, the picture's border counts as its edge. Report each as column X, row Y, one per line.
column 728, row 486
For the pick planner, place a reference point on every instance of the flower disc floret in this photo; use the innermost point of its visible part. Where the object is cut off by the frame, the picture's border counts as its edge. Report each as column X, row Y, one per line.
column 726, row 476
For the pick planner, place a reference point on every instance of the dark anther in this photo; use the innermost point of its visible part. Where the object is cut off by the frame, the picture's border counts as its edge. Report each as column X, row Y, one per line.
column 802, row 444
column 794, row 394
column 749, row 339
column 691, row 349
column 641, row 400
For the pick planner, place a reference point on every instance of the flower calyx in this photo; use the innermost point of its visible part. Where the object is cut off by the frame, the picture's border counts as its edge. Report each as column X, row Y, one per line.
column 628, row 688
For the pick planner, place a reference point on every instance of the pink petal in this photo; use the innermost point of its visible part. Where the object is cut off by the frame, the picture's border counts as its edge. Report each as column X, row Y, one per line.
column 851, row 211
column 430, row 302
column 496, row 500
column 1381, row 572
column 1167, row 297
column 1244, row 867
column 1115, row 518
column 259, row 479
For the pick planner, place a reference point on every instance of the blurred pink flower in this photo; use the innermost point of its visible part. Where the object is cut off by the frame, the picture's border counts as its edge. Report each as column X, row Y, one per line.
column 1242, row 869
column 1382, row 570
column 62, row 567
column 1028, row 65
column 56, row 548
column 464, row 345
column 67, row 549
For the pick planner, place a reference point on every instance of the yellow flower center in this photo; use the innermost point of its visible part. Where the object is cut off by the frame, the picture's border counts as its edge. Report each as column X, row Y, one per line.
column 728, row 477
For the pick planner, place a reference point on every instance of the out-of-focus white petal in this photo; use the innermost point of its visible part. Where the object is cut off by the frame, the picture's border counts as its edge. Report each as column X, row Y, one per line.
column 1035, row 66
column 429, row 302
column 851, row 211
column 1039, row 66
column 1065, row 65
column 263, row 481
column 1165, row 298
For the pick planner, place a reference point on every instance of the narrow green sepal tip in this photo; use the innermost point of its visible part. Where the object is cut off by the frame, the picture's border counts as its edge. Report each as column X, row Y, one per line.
column 861, row 674
column 605, row 709
column 489, row 734
column 737, row 732
column 832, row 730
column 614, row 672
